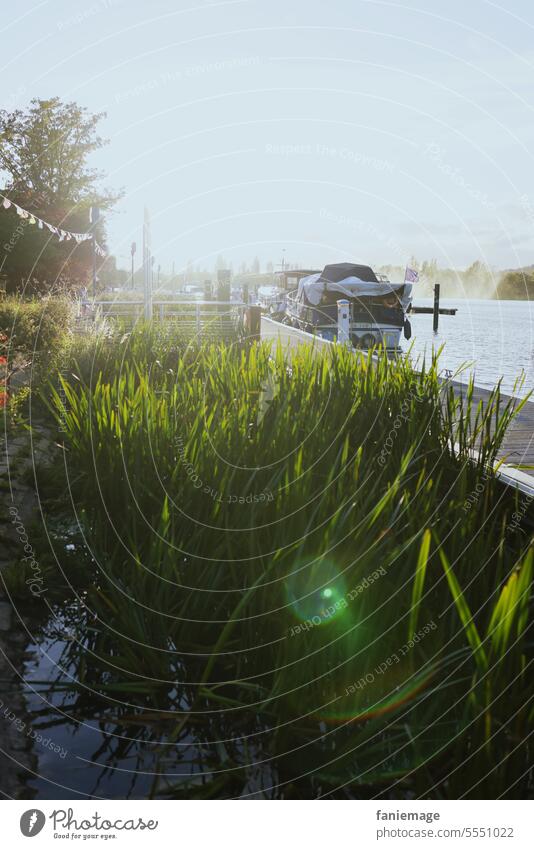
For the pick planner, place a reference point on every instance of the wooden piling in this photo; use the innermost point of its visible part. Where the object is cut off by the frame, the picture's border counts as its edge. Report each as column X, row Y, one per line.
column 253, row 323
column 436, row 307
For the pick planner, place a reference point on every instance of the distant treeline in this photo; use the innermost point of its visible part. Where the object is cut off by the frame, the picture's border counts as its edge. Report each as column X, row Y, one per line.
column 476, row 281
column 517, row 284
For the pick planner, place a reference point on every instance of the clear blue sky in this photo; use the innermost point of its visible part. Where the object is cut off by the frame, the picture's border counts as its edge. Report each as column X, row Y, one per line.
column 351, row 129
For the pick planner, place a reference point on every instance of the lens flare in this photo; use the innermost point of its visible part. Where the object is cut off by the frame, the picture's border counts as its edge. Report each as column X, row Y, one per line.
column 316, row 592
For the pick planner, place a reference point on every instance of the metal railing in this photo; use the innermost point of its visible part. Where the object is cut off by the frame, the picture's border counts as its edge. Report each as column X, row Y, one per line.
column 217, row 318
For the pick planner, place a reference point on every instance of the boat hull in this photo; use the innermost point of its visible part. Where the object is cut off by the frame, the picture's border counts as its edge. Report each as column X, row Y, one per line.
column 373, row 326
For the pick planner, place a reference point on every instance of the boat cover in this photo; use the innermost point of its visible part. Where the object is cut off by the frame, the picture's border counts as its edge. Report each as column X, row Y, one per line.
column 351, row 281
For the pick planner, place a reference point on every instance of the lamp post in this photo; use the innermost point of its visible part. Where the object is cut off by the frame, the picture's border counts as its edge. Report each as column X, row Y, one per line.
column 147, row 268
column 132, row 251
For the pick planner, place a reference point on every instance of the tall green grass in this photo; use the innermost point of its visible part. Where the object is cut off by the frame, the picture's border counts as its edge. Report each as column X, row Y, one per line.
column 299, row 562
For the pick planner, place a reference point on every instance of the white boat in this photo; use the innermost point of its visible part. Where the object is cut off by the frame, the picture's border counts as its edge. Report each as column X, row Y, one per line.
column 378, row 308
column 272, row 299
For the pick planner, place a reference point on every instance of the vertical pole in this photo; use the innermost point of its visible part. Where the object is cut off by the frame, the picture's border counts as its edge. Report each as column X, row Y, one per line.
column 147, row 267
column 94, row 215
column 224, row 279
column 94, row 267
column 436, row 307
column 197, row 317
column 133, row 249
column 343, row 321
column 253, row 323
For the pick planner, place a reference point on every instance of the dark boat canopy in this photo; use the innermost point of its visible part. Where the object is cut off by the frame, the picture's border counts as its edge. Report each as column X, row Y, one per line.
column 341, row 270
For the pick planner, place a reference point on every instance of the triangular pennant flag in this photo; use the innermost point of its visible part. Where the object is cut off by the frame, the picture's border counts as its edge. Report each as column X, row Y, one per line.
column 63, row 234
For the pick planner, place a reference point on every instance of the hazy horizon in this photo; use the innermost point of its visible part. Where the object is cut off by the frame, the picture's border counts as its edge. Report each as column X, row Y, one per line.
column 358, row 131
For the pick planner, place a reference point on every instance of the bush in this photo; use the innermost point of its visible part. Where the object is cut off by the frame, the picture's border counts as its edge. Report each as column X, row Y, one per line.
column 39, row 326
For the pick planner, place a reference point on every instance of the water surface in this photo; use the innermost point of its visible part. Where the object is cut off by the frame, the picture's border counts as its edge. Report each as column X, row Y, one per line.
column 495, row 337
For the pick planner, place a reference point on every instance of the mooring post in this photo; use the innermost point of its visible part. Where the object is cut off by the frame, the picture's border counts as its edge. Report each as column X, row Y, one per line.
column 253, row 323
column 436, row 307
column 343, row 321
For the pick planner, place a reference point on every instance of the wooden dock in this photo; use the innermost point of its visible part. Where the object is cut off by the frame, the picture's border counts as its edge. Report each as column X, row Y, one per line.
column 518, row 447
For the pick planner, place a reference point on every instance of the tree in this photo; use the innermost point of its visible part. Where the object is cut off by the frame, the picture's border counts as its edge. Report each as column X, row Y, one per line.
column 44, row 153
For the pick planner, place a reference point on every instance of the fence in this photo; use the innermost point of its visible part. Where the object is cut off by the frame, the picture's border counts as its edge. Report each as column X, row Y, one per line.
column 214, row 319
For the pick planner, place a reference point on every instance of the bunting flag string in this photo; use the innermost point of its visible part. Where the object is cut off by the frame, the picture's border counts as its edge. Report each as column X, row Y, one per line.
column 63, row 235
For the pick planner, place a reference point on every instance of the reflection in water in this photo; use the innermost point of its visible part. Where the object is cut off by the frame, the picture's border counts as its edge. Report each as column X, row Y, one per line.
column 119, row 744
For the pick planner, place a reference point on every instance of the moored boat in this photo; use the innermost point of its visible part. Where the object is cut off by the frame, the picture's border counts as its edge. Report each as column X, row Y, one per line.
column 378, row 308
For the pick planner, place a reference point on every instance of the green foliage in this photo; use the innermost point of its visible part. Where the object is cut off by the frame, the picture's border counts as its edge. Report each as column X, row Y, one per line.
column 34, row 332
column 517, row 284
column 266, row 531
column 45, row 151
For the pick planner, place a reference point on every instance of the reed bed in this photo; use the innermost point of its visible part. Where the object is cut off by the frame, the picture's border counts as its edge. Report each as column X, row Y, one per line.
column 299, row 563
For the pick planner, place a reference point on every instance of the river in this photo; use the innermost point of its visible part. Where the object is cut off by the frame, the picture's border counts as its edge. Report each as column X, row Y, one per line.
column 495, row 339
